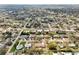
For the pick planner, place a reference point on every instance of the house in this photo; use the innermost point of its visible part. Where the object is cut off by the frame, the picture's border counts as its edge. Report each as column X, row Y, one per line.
column 46, row 30
column 71, row 45
column 29, row 45
column 24, row 36
column 40, row 45
column 39, row 30
column 2, row 45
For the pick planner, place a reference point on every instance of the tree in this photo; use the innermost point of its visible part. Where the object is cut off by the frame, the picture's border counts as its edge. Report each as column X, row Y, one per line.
column 7, row 34
column 52, row 45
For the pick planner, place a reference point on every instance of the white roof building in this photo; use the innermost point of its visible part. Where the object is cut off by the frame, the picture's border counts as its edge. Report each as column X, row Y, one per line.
column 19, row 47
column 71, row 45
column 1, row 45
column 28, row 45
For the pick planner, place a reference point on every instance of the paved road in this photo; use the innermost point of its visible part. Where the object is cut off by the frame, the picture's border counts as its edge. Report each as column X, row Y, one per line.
column 49, row 27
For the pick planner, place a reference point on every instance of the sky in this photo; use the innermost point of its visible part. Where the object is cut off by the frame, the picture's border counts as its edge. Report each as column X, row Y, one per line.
column 39, row 1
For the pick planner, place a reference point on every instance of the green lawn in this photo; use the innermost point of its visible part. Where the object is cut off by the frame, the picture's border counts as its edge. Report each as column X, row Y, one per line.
column 14, row 47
